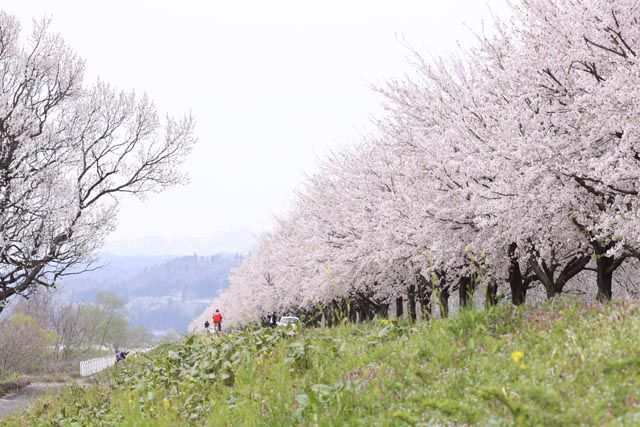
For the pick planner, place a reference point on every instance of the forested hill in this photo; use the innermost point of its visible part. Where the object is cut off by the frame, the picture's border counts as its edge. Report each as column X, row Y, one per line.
column 160, row 293
column 191, row 277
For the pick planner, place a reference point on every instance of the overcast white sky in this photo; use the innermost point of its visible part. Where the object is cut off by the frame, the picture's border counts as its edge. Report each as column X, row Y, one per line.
column 273, row 85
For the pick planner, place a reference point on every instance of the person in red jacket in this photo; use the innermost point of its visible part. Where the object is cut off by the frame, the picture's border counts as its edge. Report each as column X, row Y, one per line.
column 217, row 320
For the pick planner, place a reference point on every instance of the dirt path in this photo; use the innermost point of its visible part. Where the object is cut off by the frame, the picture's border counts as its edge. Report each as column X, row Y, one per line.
column 17, row 401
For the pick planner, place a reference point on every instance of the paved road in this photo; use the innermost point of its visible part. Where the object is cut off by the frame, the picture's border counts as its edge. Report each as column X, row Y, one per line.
column 10, row 403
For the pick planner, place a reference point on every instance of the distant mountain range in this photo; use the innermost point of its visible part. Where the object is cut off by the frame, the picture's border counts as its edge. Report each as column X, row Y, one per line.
column 163, row 288
column 160, row 293
column 238, row 241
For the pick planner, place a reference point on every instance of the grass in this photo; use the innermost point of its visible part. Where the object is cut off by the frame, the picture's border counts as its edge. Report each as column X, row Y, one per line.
column 562, row 363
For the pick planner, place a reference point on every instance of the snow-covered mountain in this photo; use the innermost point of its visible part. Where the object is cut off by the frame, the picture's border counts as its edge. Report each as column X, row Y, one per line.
column 238, row 241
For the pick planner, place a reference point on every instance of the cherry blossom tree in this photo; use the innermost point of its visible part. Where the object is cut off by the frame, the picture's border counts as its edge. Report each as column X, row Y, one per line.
column 68, row 151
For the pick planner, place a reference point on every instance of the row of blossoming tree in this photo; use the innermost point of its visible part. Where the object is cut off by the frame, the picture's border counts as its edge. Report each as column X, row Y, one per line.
column 510, row 167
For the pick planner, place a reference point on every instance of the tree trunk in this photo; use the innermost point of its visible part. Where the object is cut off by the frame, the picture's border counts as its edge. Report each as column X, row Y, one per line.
column 399, row 307
column 444, row 302
column 365, row 312
column 424, row 295
column 605, row 266
column 551, row 292
column 382, row 310
column 464, row 294
column 411, row 302
column 604, row 269
column 326, row 314
column 491, row 294
column 316, row 317
column 546, row 274
column 518, row 287
column 425, row 305
column 571, row 269
column 353, row 311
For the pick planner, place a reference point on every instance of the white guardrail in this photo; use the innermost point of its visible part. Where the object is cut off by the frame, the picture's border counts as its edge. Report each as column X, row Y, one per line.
column 93, row 366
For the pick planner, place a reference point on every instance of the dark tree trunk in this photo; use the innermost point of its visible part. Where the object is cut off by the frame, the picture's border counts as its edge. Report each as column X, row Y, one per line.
column 604, row 269
column 353, row 311
column 371, row 310
column 545, row 273
column 424, row 295
column 444, row 302
column 518, row 287
column 365, row 312
column 399, row 307
column 317, row 318
column 312, row 317
column 326, row 313
column 381, row 310
column 411, row 302
column 491, row 294
column 551, row 292
column 464, row 294
column 570, row 270
column 425, row 307
column 605, row 266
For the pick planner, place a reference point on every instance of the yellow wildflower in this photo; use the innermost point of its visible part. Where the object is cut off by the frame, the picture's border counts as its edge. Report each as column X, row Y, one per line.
column 384, row 321
column 517, row 356
column 165, row 403
column 130, row 401
column 522, row 366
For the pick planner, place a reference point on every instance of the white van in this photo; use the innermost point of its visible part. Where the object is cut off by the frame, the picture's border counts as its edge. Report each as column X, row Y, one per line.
column 288, row 321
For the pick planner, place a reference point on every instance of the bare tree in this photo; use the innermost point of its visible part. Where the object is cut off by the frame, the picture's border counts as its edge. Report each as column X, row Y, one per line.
column 25, row 344
column 67, row 152
column 69, row 320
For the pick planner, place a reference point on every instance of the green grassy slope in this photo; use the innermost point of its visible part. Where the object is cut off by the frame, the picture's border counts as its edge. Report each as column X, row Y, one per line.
column 559, row 364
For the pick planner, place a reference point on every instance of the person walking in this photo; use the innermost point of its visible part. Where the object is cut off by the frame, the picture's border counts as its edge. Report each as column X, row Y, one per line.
column 217, row 320
column 273, row 320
